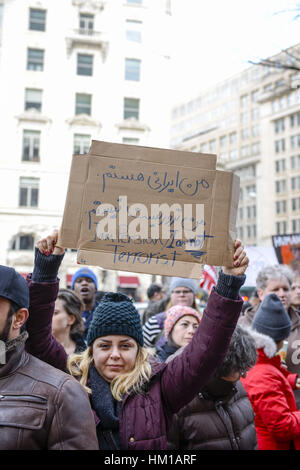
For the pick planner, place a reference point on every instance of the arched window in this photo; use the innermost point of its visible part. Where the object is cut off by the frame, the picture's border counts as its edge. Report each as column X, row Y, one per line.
column 23, row 242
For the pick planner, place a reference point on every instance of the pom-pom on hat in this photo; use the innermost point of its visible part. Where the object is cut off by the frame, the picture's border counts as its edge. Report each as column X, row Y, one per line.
column 183, row 282
column 115, row 315
column 176, row 312
column 271, row 319
column 84, row 272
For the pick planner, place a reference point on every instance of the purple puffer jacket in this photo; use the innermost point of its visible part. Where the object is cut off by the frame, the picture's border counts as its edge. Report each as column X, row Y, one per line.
column 144, row 417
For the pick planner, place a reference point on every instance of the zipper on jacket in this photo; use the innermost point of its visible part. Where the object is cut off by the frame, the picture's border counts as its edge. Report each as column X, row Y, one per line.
column 30, row 398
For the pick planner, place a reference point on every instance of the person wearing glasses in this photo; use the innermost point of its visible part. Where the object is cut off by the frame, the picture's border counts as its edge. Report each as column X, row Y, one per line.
column 182, row 292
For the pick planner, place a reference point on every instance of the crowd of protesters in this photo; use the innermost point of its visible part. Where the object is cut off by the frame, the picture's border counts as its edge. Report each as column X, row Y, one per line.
column 84, row 371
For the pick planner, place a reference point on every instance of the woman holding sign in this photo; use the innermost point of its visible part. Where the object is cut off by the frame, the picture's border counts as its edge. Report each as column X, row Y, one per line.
column 132, row 395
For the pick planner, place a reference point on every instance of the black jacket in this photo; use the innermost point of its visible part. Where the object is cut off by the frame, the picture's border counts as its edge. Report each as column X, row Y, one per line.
column 211, row 424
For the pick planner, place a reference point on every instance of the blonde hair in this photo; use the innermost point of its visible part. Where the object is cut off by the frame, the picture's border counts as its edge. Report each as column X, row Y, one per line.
column 79, row 365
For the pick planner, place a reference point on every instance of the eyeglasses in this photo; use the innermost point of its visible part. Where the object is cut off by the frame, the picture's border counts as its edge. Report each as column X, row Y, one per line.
column 185, row 291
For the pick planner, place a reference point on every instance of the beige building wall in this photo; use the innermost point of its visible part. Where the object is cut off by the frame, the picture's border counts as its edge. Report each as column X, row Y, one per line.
column 252, row 122
column 107, row 53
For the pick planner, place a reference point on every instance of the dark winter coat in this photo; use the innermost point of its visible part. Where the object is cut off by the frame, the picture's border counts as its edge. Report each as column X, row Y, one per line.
column 144, row 417
column 210, row 424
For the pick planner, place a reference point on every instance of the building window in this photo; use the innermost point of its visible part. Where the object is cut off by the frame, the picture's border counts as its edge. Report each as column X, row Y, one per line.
column 245, row 134
column 86, row 23
column 23, row 242
column 31, row 146
column 279, row 125
column 29, row 192
column 251, row 191
column 37, row 19
column 245, row 101
column 295, row 162
column 295, row 203
column 254, row 96
column 281, row 227
column 295, row 141
column 223, row 141
column 233, row 138
column 296, row 225
column 255, row 114
column 133, row 32
column 245, row 117
column 130, row 140
column 245, row 151
column 233, row 154
column 256, row 148
column 82, row 144
column 33, row 99
column 204, row 147
column 279, row 166
column 132, row 69
column 1, row 14
column 295, row 183
column 83, row 104
column 213, row 146
column 131, row 108
column 280, row 207
column 241, row 194
column 255, row 130
column 84, row 64
column 279, row 145
column 240, row 232
column 280, row 186
column 35, row 59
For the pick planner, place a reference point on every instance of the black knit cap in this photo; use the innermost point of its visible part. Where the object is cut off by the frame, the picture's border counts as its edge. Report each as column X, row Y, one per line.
column 115, row 315
column 272, row 319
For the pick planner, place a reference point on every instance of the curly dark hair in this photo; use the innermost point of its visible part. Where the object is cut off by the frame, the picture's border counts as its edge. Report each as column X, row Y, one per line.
column 241, row 354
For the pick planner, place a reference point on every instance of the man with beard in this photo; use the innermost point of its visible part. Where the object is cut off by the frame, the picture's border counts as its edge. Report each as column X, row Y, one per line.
column 37, row 401
column 85, row 285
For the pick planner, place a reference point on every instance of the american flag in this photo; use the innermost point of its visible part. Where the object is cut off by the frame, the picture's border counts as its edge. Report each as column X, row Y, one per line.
column 209, row 278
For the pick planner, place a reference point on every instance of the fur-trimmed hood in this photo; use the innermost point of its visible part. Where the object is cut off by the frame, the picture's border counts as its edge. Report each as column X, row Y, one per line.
column 263, row 342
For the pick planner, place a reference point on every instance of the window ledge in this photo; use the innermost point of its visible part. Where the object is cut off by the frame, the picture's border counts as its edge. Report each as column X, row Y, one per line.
column 32, row 115
column 132, row 124
column 83, row 120
column 89, row 6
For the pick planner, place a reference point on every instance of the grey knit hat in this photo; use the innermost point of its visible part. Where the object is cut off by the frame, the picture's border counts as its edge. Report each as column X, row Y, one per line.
column 271, row 319
column 115, row 315
column 183, row 282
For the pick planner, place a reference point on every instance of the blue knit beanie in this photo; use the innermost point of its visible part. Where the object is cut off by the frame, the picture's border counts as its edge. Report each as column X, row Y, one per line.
column 84, row 272
column 183, row 282
column 272, row 319
column 115, row 315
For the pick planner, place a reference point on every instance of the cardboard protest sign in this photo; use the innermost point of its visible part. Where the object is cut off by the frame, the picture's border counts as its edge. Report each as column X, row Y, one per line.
column 287, row 249
column 149, row 210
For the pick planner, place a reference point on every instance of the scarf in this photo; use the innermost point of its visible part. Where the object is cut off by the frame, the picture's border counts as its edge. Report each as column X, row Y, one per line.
column 108, row 411
column 11, row 346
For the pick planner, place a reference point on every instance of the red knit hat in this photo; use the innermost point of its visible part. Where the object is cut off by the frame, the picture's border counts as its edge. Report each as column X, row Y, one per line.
column 176, row 312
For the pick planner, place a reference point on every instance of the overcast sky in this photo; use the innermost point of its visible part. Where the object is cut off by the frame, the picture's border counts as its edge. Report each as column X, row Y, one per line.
column 214, row 39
